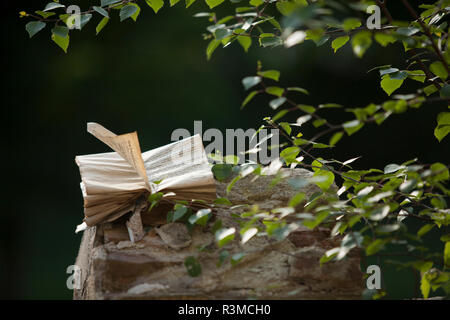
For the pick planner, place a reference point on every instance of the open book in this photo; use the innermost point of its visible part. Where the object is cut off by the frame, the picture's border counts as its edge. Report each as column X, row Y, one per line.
column 112, row 182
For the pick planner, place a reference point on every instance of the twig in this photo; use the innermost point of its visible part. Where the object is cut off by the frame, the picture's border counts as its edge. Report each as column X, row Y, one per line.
column 427, row 33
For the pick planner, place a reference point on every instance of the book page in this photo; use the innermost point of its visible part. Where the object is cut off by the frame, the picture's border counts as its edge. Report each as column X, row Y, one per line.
column 112, row 182
column 127, row 145
column 181, row 167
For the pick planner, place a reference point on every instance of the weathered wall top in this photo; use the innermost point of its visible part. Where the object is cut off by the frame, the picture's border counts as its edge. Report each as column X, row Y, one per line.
column 153, row 268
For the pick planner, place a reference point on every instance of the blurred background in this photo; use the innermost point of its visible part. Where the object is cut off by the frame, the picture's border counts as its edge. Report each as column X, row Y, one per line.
column 152, row 76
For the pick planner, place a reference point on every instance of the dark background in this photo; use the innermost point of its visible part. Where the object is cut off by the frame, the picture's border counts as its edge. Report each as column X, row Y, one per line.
column 152, row 76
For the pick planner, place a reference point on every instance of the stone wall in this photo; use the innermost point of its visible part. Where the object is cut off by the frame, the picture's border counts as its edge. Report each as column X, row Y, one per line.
column 153, row 268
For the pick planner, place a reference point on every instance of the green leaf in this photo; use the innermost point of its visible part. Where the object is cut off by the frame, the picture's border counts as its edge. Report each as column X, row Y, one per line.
column 155, row 4
column 193, row 267
column 249, row 98
column 384, row 39
column 127, row 11
column 375, row 246
column 422, row 266
column 247, row 234
column 173, row 2
column 298, row 183
column 391, row 168
column 276, row 91
column 217, row 226
column 53, row 5
column 211, row 47
column 302, row 90
column 270, row 74
column 275, row 103
column 231, row 159
column 397, row 106
column 101, row 25
column 108, row 2
column 311, row 224
column 60, row 31
column 417, row 75
column 307, row 109
column 439, row 70
column 425, row 287
column 231, row 184
column 361, row 42
column 222, row 257
column 256, row 3
column 389, row 85
column 400, row 75
column 43, row 14
column 245, row 42
column 429, row 90
column 101, row 11
column 379, row 213
column 351, row 23
column 326, row 179
column 179, row 212
column 236, row 258
column 269, row 40
column 384, row 71
column 223, row 201
column 315, row 34
column 154, row 199
column 286, row 7
column 339, row 42
column 249, row 82
column 222, row 171
column 443, row 125
column 329, row 105
column 34, row 27
column 319, row 122
column 223, row 236
column 445, row 91
column 316, row 165
column 290, row 154
column 425, row 229
column 84, row 19
column 297, row 199
column 286, row 127
column 440, row 172
column 64, row 17
column 387, row 228
column 213, row 3
column 136, row 14
column 62, row 42
column 352, row 126
column 189, row 3
column 200, row 217
column 408, row 31
column 408, row 186
column 336, row 137
column 329, row 255
column 280, row 114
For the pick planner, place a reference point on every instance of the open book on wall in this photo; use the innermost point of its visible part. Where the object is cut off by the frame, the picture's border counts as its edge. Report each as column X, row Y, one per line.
column 112, row 182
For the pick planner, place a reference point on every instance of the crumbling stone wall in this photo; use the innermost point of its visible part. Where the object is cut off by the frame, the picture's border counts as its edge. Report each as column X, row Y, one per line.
column 153, row 268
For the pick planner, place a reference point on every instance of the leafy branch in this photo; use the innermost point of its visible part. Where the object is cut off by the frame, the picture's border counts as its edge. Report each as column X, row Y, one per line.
column 367, row 210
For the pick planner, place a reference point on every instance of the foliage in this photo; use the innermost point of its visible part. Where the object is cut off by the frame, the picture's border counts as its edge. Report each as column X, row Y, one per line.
column 369, row 209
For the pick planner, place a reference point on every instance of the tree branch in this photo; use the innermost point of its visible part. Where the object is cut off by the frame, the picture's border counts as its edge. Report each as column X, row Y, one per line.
column 427, row 32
